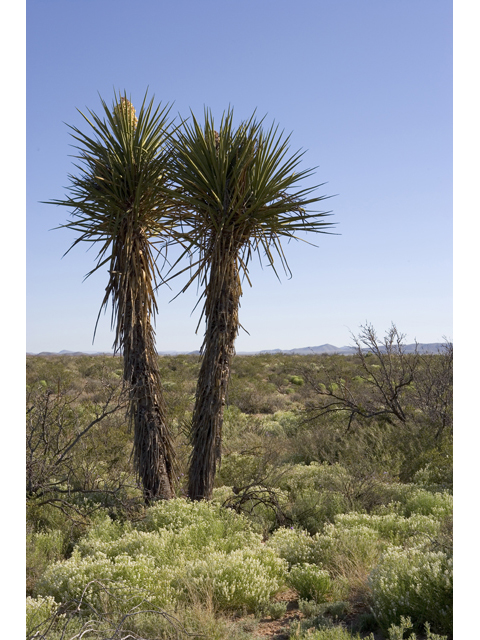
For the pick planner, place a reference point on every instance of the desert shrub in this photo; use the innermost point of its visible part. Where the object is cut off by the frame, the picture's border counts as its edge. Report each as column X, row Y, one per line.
column 136, row 578
column 426, row 503
column 38, row 611
column 240, row 579
column 200, row 525
column 239, row 469
column 312, row 609
column 175, row 515
column 181, row 549
column 255, row 397
column 282, row 423
column 346, row 549
column 293, row 545
column 305, row 629
column 310, row 581
column 275, row 610
column 315, row 494
column 42, row 549
column 309, row 608
column 396, row 632
column 416, row 583
column 393, row 528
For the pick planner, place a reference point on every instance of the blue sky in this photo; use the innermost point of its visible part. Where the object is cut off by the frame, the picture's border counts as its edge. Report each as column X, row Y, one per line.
column 365, row 87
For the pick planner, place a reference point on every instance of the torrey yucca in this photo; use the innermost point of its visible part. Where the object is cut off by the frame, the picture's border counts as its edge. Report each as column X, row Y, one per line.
column 118, row 201
column 239, row 190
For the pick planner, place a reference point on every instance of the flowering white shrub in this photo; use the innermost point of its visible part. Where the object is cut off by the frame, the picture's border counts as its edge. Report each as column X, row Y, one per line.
column 407, row 499
column 39, row 610
column 175, row 515
column 416, row 583
column 316, row 476
column 340, row 548
column 294, row 545
column 311, row 582
column 245, row 577
column 139, row 576
column 182, row 548
column 392, row 527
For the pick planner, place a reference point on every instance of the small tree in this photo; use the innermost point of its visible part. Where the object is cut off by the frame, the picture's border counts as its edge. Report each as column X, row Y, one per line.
column 118, row 200
column 399, row 391
column 236, row 187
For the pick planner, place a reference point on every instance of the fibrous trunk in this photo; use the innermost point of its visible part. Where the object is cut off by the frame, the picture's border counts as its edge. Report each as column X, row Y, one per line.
column 221, row 311
column 153, row 449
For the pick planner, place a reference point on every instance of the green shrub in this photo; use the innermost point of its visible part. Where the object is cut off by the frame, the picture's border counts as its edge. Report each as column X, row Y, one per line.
column 396, row 632
column 311, row 582
column 312, row 609
column 43, row 549
column 315, row 494
column 407, row 499
column 38, row 611
column 338, row 632
column 393, row 528
column 349, row 550
column 274, row 610
column 294, row 545
column 416, row 583
column 239, row 469
column 242, row 578
column 181, row 551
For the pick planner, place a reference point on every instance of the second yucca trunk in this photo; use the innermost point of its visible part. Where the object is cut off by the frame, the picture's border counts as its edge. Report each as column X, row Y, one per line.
column 221, row 311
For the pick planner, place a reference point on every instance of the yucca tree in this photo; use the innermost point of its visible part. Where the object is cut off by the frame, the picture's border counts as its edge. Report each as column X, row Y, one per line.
column 118, row 201
column 240, row 190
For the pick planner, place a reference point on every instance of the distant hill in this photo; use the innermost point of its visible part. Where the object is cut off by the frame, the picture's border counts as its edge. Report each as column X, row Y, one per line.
column 432, row 347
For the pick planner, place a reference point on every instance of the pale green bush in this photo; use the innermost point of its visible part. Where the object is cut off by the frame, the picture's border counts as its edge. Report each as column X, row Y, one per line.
column 239, row 469
column 394, row 528
column 316, row 476
column 315, row 493
column 42, row 549
column 407, row 499
column 277, row 610
column 416, row 583
column 309, row 608
column 310, row 581
column 242, row 578
column 38, row 611
column 183, row 549
column 396, row 632
column 294, row 545
column 282, row 423
column 312, row 609
column 175, row 515
column 303, row 632
column 137, row 576
column 343, row 549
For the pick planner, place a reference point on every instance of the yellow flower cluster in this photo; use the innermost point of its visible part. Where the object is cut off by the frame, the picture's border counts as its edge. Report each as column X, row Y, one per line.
column 127, row 107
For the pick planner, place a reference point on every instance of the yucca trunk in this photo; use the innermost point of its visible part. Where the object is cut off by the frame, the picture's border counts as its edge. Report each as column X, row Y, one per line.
column 221, row 311
column 154, row 455
column 153, row 449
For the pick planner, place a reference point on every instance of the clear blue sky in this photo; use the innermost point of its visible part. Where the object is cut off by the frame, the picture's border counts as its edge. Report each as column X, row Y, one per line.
column 365, row 86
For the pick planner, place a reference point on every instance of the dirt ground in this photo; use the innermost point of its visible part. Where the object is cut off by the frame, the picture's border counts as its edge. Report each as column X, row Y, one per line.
column 279, row 629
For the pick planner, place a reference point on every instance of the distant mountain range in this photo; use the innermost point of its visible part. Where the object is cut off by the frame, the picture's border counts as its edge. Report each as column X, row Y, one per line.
column 432, row 347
